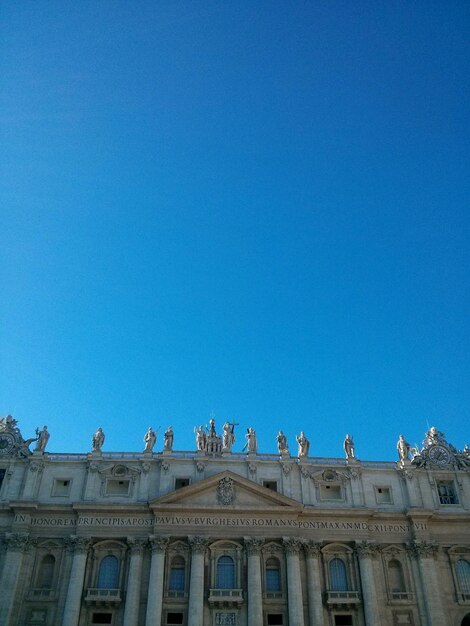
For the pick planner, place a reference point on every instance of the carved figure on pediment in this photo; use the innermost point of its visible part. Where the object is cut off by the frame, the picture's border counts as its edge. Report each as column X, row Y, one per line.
column 348, row 447
column 228, row 436
column 168, row 439
column 98, row 440
column 282, row 446
column 200, row 438
column 251, row 444
column 403, row 448
column 150, row 438
column 304, row 444
column 225, row 491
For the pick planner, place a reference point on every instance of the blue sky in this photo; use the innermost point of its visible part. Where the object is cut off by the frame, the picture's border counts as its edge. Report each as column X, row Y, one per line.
column 257, row 209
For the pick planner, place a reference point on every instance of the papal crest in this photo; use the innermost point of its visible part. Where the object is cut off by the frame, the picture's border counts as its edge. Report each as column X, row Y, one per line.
column 225, row 491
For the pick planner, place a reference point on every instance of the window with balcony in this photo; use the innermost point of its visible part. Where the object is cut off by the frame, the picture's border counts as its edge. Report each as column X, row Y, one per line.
column 338, row 575
column 396, row 580
column 225, row 573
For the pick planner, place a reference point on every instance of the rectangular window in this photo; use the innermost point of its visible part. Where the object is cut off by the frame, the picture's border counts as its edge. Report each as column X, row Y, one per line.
column 331, row 492
column 174, row 619
column 102, row 618
column 270, row 484
column 446, row 491
column 383, row 495
column 275, row 619
column 181, row 482
column 61, row 487
column 117, row 487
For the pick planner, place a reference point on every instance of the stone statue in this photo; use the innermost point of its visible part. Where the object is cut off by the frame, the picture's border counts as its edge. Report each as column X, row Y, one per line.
column 282, row 446
column 150, row 439
column 348, row 447
column 168, row 439
column 211, row 432
column 403, row 448
column 228, row 436
column 304, row 444
column 251, row 441
column 98, row 440
column 43, row 438
column 200, row 438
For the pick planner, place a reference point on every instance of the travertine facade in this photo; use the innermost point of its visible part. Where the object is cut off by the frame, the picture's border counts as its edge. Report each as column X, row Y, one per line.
column 213, row 537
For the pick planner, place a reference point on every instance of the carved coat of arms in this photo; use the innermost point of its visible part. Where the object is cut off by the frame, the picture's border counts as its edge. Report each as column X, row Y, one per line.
column 225, row 491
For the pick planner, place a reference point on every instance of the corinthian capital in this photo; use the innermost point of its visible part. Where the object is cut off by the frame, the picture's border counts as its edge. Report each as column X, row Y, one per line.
column 423, row 549
column 136, row 545
column 198, row 544
column 78, row 545
column 253, row 545
column 292, row 545
column 158, row 543
column 17, row 542
column 312, row 548
column 366, row 549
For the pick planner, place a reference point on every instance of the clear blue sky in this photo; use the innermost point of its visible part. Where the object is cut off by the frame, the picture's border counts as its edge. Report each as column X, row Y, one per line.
column 259, row 209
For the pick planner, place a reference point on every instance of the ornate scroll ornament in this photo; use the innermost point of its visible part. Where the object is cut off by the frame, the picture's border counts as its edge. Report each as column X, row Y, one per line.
column 136, row 545
column 225, row 491
column 252, row 467
column 158, row 543
column 165, row 466
column 366, row 549
column 305, row 471
column 253, row 545
column 17, row 542
column 78, row 545
column 93, row 466
column 200, row 466
column 312, row 548
column 198, row 544
column 292, row 545
column 145, row 467
column 423, row 549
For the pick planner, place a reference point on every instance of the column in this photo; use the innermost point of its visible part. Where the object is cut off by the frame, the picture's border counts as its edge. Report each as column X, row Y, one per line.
column 294, row 583
column 425, row 553
column 16, row 545
column 196, row 581
column 131, row 608
column 365, row 551
column 315, row 604
column 155, row 590
column 79, row 547
column 255, row 594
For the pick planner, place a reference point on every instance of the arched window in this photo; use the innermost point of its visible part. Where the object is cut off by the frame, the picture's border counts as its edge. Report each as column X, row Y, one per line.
column 177, row 574
column 338, row 576
column 462, row 568
column 396, row 579
column 273, row 576
column 108, row 575
column 225, row 573
column 46, row 572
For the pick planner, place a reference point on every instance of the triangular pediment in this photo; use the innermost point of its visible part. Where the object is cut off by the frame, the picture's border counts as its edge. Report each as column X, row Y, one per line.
column 240, row 493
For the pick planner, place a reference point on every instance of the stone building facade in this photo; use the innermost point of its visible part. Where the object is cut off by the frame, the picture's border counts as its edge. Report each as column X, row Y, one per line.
column 212, row 537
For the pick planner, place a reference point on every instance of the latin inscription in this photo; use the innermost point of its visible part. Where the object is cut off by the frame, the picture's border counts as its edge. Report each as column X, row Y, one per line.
column 240, row 522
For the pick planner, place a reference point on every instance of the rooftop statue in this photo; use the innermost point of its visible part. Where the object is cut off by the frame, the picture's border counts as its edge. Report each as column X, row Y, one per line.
column 98, row 440
column 228, row 436
column 43, row 438
column 251, row 444
column 150, row 439
column 11, row 441
column 282, row 446
column 304, row 444
column 403, row 448
column 168, row 439
column 348, row 447
column 200, row 438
